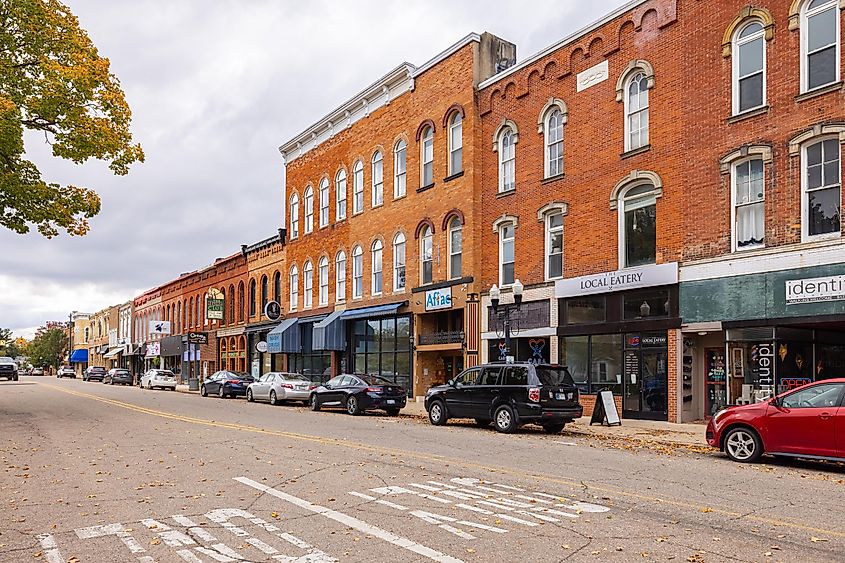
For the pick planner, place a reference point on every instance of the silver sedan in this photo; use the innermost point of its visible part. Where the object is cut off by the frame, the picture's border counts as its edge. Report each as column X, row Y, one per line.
column 277, row 387
column 161, row 378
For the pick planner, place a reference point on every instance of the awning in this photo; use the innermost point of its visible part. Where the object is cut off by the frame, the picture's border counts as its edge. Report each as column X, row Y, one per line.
column 114, row 352
column 284, row 338
column 377, row 311
column 103, row 349
column 139, row 351
column 79, row 357
column 329, row 334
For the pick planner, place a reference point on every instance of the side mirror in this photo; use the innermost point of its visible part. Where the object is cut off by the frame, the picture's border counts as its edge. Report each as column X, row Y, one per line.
column 775, row 401
column 327, row 386
column 452, row 383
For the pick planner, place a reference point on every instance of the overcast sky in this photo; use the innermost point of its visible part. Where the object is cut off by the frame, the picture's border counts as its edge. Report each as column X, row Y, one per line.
column 215, row 87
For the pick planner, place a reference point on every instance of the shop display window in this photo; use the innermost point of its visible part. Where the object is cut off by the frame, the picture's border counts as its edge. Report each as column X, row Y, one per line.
column 586, row 310
column 637, row 305
column 595, row 362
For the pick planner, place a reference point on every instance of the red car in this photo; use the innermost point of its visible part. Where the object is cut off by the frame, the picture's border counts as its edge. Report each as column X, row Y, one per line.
column 807, row 422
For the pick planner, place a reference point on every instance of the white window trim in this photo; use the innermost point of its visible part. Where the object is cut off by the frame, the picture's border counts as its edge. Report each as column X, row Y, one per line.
column 328, row 190
column 452, row 149
column 354, row 185
column 423, row 236
column 374, row 187
column 543, row 127
column 396, row 173
column 294, row 217
column 340, row 197
column 293, row 290
column 427, row 134
column 501, row 153
column 361, row 254
column 373, row 272
column 309, row 214
column 543, row 215
column 804, row 31
column 307, row 293
column 735, row 62
column 340, row 296
column 322, row 299
column 626, row 104
column 734, row 165
column 396, row 288
column 805, row 237
column 655, row 194
column 500, row 229
column 455, row 221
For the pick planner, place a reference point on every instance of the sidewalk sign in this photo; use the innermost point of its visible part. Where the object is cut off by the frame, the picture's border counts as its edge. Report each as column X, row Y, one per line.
column 604, row 412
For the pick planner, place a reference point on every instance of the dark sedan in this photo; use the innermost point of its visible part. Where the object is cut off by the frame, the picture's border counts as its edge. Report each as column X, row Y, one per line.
column 118, row 376
column 226, row 384
column 359, row 393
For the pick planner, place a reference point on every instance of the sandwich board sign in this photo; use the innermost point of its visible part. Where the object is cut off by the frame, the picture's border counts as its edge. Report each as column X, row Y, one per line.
column 605, row 410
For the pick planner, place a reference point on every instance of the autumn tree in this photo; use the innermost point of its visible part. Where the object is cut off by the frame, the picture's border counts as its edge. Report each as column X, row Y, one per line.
column 54, row 82
column 9, row 346
column 49, row 345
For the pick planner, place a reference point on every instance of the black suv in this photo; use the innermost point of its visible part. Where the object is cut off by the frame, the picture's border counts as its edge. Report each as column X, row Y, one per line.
column 508, row 395
column 94, row 373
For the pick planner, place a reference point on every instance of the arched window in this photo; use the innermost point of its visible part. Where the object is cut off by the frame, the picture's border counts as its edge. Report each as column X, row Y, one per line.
column 309, row 210
column 340, row 277
column 231, row 317
column 293, row 285
column 456, row 143
column 507, row 160
column 277, row 287
column 507, row 241
column 179, row 317
column 357, row 272
column 553, row 133
column 400, row 167
column 294, row 216
column 265, row 292
column 241, row 302
column 197, row 314
column 324, row 202
column 637, row 225
column 427, row 158
column 323, row 278
column 455, row 248
column 378, row 179
column 340, row 194
column 358, row 187
column 820, row 52
column 252, row 302
column 376, row 261
column 749, row 67
column 427, row 255
column 821, row 167
column 636, row 111
column 399, row 262
column 191, row 313
column 552, row 217
column 308, row 284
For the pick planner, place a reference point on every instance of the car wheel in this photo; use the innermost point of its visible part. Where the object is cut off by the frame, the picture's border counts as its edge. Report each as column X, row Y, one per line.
column 314, row 402
column 249, row 397
column 742, row 444
column 221, row 392
column 554, row 427
column 392, row 412
column 352, row 406
column 437, row 413
column 203, row 391
column 482, row 422
column 273, row 400
column 504, row 419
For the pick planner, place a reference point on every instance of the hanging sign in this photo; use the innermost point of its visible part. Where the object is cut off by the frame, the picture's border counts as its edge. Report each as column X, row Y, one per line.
column 273, row 311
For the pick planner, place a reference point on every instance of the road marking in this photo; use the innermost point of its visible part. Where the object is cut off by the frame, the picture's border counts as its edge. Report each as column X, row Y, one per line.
column 379, row 501
column 51, row 549
column 352, row 522
column 115, row 529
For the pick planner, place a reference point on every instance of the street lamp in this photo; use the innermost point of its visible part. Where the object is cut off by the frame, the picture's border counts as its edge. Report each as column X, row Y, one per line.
column 504, row 311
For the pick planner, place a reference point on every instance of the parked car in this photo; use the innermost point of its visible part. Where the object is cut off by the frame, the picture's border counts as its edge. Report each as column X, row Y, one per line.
column 508, row 395
column 807, row 422
column 8, row 368
column 359, row 393
column 66, row 371
column 226, row 384
column 161, row 378
column 36, row 371
column 94, row 373
column 120, row 376
column 278, row 387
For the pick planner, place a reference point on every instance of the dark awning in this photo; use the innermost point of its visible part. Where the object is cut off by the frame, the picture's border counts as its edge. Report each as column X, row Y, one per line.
column 284, row 338
column 79, row 357
column 377, row 311
column 329, row 334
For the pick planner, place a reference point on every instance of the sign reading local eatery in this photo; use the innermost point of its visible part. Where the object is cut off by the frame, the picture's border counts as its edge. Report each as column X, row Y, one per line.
column 619, row 280
column 436, row 299
column 815, row 290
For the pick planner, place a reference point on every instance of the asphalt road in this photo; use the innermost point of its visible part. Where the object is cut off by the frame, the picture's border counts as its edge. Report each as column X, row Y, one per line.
column 92, row 472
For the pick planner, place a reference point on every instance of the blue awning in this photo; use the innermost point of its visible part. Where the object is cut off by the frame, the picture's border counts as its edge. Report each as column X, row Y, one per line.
column 79, row 357
column 329, row 334
column 284, row 338
column 377, row 311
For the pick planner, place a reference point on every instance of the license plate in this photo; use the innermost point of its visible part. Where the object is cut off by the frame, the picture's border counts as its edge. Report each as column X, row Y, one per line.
column 561, row 396
column 391, row 402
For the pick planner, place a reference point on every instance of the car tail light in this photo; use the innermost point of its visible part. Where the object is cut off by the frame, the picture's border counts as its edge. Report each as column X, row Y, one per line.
column 534, row 395
column 375, row 389
column 234, row 382
column 287, row 385
column 312, row 387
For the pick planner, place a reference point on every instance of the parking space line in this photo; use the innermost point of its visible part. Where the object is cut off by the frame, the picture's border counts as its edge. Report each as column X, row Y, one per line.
column 378, row 500
column 51, row 549
column 352, row 522
column 188, row 555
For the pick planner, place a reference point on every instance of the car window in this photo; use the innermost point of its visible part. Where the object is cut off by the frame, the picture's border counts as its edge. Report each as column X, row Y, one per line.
column 375, row 380
column 516, row 375
column 554, row 375
column 335, row 381
column 271, row 377
column 817, row 396
column 469, row 377
column 489, row 376
column 346, row 381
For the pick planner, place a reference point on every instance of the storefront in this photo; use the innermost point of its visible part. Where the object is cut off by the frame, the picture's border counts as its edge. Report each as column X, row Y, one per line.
column 171, row 351
column 152, row 355
column 293, row 343
column 79, row 359
column 442, row 335
column 261, row 359
column 231, row 349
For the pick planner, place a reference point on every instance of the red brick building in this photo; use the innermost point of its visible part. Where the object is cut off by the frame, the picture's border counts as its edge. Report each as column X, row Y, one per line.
column 264, row 284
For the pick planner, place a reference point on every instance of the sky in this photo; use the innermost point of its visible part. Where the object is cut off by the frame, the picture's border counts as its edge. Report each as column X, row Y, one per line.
column 215, row 87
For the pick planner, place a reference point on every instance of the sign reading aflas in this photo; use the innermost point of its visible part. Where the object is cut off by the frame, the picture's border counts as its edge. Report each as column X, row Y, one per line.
column 436, row 299
column 831, row 288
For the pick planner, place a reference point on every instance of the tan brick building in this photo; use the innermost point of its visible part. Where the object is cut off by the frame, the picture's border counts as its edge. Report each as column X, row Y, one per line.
column 102, row 330
column 265, row 261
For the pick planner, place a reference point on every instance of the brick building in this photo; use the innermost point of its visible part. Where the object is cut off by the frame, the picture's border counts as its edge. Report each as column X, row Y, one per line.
column 265, row 266
column 102, row 328
column 147, row 308
column 79, row 341
column 382, row 229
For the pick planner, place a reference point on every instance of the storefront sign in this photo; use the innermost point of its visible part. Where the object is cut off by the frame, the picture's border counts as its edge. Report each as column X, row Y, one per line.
column 437, row 299
column 160, row 327
column 763, row 363
column 198, row 337
column 814, row 290
column 659, row 340
column 273, row 311
column 214, row 308
column 153, row 349
column 620, row 280
column 261, row 346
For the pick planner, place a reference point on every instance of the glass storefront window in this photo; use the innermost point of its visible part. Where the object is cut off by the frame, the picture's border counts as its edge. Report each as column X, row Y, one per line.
column 606, row 362
column 575, row 354
column 534, row 350
column 382, row 347
column 651, row 303
column 586, row 310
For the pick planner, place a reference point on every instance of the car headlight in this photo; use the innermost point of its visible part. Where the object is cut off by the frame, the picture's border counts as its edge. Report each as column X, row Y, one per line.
column 719, row 415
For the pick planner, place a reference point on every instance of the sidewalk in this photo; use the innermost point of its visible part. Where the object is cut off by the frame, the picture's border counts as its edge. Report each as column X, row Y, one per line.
column 183, row 388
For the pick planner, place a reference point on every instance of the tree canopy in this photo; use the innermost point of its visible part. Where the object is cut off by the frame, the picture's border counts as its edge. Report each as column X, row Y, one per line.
column 49, row 345
column 53, row 81
column 9, row 345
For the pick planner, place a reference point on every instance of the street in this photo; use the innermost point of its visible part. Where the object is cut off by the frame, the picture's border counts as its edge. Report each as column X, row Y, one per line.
column 93, row 472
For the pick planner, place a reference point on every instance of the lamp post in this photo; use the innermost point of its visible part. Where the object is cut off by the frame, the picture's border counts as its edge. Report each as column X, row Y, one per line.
column 504, row 311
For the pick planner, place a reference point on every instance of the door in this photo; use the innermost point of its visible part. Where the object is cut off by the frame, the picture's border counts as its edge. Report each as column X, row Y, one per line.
column 804, row 421
column 457, row 395
column 839, row 429
column 331, row 393
column 646, row 384
column 212, row 386
column 485, row 392
column 265, row 385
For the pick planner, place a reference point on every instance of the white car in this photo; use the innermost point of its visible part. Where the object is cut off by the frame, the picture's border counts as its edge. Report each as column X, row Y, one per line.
column 277, row 387
column 161, row 378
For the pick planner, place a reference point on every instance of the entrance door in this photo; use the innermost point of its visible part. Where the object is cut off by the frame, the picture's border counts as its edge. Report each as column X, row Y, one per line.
column 645, row 393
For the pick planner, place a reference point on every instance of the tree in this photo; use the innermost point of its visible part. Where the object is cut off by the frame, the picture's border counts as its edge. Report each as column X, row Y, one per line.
column 49, row 345
column 53, row 81
column 9, row 346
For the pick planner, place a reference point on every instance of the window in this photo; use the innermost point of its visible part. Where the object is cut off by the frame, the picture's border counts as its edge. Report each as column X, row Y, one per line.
column 822, row 186
column 382, row 347
column 399, row 262
column 594, row 362
column 826, row 395
column 294, row 287
column 585, row 310
column 265, row 291
column 515, row 376
column 455, row 248
column 308, row 285
column 489, row 376
column 324, row 202
column 357, row 272
column 456, row 143
column 749, row 223
column 309, row 210
column 636, row 112
column 427, row 158
column 638, row 226
column 378, row 179
column 554, row 245
column 340, row 193
column 400, row 167
column 324, row 281
column 252, row 307
column 240, row 302
column 358, row 188
column 819, row 44
column 427, row 255
column 277, row 287
column 469, row 377
column 377, row 267
column 648, row 303
column 340, row 277
column 507, row 161
column 749, row 68
column 294, row 216
column 554, row 143
column 506, row 254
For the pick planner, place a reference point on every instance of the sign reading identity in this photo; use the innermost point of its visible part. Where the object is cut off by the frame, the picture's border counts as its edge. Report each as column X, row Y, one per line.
column 272, row 310
column 620, row 280
column 436, row 299
column 198, row 337
column 160, row 327
column 814, row 290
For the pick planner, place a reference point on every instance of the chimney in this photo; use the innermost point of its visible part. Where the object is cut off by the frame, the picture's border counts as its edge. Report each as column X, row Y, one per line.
column 494, row 56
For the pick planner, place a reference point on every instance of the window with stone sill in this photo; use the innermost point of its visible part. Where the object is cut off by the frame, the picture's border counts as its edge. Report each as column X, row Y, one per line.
column 340, row 277
column 820, row 44
column 340, row 194
column 400, row 167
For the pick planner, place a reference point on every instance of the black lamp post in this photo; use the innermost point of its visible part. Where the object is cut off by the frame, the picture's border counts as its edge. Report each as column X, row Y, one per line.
column 504, row 311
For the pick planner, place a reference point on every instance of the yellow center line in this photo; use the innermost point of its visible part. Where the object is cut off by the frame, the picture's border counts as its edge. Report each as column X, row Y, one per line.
column 443, row 459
